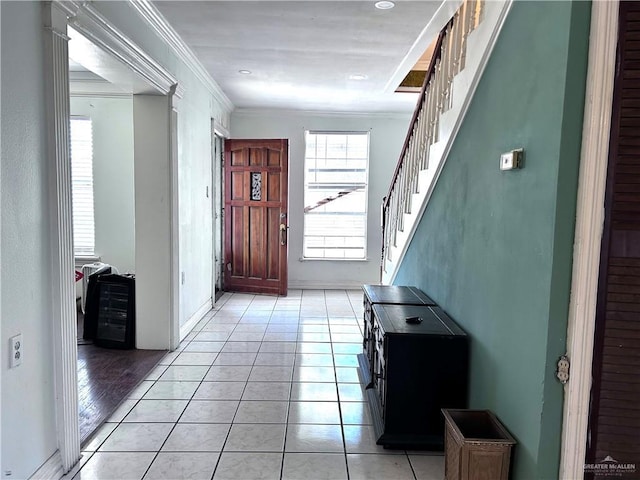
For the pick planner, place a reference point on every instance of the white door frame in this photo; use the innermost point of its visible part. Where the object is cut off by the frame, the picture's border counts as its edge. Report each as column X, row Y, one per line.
column 217, row 199
column 57, row 15
column 588, row 234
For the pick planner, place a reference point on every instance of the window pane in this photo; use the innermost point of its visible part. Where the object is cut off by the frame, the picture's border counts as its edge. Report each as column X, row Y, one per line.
column 82, row 186
column 336, row 175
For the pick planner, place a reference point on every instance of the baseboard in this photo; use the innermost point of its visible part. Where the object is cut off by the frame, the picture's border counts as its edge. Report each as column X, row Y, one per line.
column 302, row 285
column 51, row 469
column 194, row 319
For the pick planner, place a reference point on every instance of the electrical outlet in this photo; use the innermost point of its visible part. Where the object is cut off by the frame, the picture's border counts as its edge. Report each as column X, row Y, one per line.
column 15, row 349
column 563, row 369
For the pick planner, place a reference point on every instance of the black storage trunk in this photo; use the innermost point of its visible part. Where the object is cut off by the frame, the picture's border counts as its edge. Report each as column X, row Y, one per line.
column 383, row 294
column 418, row 369
column 113, row 306
column 395, row 295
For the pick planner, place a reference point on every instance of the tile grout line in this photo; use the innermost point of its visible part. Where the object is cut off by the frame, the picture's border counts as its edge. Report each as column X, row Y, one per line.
column 286, row 426
column 344, row 438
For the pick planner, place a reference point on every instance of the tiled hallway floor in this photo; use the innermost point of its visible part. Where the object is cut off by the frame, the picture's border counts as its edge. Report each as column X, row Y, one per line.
column 263, row 388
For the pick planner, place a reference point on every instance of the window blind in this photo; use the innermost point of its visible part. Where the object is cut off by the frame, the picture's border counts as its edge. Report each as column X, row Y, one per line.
column 82, row 186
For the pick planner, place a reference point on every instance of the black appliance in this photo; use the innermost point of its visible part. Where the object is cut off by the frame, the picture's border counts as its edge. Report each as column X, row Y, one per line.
column 90, row 307
column 111, row 308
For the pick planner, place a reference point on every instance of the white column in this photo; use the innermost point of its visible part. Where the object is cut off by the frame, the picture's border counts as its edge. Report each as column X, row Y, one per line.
column 157, row 274
column 174, row 278
column 63, row 312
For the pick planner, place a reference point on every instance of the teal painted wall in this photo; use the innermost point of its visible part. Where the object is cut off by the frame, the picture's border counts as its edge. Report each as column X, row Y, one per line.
column 494, row 248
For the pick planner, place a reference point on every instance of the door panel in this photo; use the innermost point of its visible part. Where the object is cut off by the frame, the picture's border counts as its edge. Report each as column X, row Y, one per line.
column 256, row 174
column 273, row 230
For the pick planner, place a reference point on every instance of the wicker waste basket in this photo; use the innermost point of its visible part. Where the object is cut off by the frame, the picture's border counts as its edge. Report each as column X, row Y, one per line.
column 477, row 446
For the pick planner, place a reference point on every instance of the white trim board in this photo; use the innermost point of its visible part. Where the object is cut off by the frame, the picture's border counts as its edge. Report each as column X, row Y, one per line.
column 588, row 235
column 303, row 285
column 51, row 469
column 63, row 303
column 186, row 328
column 219, row 129
column 271, row 112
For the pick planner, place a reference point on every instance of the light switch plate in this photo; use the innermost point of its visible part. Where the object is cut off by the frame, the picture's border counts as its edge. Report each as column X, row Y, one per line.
column 511, row 160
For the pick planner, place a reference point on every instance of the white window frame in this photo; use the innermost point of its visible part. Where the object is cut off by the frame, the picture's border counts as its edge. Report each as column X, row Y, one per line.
column 363, row 215
column 84, row 240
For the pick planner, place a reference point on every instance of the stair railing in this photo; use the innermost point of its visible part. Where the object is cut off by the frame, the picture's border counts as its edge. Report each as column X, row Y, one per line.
column 435, row 98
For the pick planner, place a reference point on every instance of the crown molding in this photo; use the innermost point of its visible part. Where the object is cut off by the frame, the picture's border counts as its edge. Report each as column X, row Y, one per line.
column 98, row 94
column 263, row 112
column 220, row 130
column 89, row 22
column 87, row 84
column 166, row 32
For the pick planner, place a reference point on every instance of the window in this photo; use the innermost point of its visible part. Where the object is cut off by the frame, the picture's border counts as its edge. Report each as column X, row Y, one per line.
column 335, row 195
column 82, row 186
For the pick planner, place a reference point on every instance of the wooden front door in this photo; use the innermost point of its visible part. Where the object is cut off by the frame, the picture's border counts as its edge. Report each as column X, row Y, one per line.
column 614, row 423
column 256, row 216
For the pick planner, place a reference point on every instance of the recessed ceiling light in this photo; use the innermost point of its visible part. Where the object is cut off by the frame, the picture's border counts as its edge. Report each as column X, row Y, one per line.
column 244, row 72
column 384, row 5
column 358, row 76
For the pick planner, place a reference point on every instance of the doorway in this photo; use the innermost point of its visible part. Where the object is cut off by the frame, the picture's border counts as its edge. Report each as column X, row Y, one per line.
column 256, row 214
column 154, row 93
column 218, row 213
column 614, row 418
column 103, row 194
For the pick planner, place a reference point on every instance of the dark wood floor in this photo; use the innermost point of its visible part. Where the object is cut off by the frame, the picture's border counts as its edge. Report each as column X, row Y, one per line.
column 105, row 378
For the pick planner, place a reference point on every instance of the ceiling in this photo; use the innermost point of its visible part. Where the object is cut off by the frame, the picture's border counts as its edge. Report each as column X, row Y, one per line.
column 301, row 54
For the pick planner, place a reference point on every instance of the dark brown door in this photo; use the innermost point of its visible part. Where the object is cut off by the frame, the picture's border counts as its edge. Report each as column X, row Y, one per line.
column 614, row 422
column 256, row 216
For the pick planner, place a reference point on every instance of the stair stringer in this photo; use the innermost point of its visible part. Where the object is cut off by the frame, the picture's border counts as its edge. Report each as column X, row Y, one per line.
column 480, row 44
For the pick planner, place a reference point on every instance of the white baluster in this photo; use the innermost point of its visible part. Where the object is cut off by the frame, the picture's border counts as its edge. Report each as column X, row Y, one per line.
column 450, row 66
column 457, row 42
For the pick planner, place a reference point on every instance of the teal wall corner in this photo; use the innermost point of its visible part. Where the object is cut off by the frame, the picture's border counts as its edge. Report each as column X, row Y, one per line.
column 494, row 248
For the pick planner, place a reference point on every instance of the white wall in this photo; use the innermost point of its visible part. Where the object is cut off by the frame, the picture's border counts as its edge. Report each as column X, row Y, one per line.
column 195, row 112
column 28, row 416
column 196, row 212
column 153, row 231
column 386, row 139
column 113, row 189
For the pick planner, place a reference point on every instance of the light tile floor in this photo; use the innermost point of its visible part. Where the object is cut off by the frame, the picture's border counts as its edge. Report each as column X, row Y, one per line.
column 263, row 388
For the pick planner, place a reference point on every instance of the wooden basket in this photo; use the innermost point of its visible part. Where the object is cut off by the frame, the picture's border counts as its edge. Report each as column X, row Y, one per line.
column 477, row 446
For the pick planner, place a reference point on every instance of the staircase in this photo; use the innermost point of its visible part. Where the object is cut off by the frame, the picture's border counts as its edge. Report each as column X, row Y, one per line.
column 461, row 53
